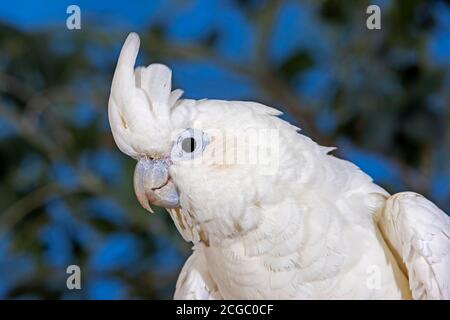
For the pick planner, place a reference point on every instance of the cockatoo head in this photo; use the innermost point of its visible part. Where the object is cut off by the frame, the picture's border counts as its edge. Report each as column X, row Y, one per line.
column 211, row 163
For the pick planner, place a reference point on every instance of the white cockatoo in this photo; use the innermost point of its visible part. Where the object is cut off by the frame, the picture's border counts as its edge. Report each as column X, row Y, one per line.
column 270, row 213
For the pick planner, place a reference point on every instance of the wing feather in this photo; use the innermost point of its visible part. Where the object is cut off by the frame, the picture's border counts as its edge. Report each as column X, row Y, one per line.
column 195, row 282
column 419, row 233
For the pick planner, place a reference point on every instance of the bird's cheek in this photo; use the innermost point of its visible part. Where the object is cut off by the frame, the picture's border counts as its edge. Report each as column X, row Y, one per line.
column 173, row 172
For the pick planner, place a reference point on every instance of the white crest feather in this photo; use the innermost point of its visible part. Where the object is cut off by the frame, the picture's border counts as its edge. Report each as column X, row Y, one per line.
column 140, row 103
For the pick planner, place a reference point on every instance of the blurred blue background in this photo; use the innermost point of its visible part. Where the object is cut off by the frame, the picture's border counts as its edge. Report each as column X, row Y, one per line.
column 66, row 197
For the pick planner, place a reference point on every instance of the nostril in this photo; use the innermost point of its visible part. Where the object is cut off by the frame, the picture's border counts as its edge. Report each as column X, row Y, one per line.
column 145, row 156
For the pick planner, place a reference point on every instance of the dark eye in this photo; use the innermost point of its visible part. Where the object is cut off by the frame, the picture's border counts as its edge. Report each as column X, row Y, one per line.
column 188, row 145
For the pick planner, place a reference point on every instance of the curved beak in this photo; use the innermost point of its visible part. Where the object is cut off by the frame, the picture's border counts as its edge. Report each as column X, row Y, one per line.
column 153, row 185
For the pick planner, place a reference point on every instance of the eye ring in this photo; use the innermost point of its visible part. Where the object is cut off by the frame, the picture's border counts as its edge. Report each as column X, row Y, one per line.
column 189, row 144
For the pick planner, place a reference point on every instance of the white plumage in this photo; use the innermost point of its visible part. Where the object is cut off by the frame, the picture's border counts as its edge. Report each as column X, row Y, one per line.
column 419, row 232
column 312, row 227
